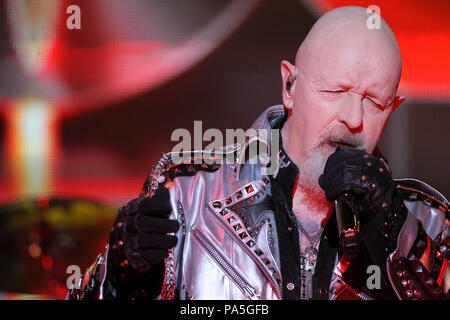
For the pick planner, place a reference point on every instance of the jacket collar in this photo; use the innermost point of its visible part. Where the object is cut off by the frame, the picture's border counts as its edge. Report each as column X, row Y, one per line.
column 286, row 170
column 271, row 118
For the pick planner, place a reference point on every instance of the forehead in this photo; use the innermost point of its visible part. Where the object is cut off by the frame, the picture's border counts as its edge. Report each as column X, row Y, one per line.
column 365, row 64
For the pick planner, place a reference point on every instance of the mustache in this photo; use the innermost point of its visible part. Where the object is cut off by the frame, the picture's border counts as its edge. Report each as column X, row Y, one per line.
column 341, row 135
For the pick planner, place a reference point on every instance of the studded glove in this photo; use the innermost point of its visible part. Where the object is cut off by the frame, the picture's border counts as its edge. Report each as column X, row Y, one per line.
column 360, row 174
column 139, row 241
column 373, row 197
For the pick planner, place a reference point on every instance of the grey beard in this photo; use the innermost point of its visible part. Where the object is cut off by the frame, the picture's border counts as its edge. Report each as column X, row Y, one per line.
column 310, row 170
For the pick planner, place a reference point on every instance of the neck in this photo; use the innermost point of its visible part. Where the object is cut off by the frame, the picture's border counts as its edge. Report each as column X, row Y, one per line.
column 312, row 215
column 311, row 210
column 309, row 206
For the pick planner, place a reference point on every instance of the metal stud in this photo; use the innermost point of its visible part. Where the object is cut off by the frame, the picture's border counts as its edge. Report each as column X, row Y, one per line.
column 264, row 159
column 251, row 243
column 161, row 178
column 419, row 268
column 259, row 252
column 413, row 196
column 243, row 235
column 421, row 244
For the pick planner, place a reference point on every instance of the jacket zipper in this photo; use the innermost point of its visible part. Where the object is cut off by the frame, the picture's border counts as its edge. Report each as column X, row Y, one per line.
column 255, row 259
column 390, row 280
column 353, row 290
column 231, row 272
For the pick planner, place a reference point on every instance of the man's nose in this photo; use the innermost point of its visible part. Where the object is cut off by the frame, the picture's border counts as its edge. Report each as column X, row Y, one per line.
column 351, row 112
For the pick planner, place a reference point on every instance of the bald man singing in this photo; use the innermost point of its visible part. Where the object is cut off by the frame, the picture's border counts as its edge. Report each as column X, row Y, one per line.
column 328, row 223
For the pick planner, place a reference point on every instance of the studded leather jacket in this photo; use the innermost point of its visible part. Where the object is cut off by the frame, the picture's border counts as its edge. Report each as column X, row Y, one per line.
column 239, row 240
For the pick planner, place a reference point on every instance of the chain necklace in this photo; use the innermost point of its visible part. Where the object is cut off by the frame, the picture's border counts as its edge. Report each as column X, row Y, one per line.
column 308, row 260
column 311, row 239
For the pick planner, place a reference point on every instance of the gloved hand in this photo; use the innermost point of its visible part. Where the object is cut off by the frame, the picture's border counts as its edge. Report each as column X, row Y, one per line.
column 362, row 175
column 139, row 242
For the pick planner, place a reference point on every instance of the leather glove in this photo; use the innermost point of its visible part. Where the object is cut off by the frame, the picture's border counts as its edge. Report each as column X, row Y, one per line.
column 139, row 241
column 361, row 174
column 371, row 188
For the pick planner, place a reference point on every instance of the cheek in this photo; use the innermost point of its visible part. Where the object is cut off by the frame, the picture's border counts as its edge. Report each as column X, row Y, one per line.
column 373, row 128
column 314, row 106
column 312, row 115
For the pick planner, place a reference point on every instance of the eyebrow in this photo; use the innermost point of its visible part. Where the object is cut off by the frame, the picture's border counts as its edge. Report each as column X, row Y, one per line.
column 377, row 99
column 368, row 93
column 347, row 85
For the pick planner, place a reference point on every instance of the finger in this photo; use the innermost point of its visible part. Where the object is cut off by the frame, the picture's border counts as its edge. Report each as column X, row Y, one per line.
column 322, row 181
column 154, row 256
column 156, row 241
column 152, row 224
column 157, row 205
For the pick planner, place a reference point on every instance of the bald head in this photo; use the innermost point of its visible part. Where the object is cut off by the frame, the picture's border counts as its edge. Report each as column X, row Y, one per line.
column 345, row 31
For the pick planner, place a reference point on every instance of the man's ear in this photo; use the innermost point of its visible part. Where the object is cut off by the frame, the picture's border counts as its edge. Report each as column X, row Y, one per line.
column 398, row 100
column 288, row 77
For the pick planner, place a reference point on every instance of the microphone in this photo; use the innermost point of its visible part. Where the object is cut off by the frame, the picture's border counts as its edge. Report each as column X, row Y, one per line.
column 348, row 225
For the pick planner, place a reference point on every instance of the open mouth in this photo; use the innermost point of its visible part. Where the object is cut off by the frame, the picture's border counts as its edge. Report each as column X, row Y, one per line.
column 336, row 144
